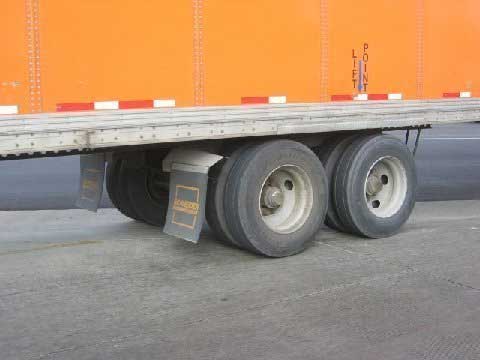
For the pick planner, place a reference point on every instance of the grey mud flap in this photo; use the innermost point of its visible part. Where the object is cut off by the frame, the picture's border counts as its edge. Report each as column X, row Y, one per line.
column 92, row 170
column 188, row 192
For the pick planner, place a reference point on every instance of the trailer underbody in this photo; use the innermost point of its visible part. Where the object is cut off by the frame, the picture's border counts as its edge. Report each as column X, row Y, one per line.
column 264, row 177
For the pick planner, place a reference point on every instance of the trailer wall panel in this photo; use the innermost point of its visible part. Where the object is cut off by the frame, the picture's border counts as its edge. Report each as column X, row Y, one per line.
column 452, row 52
column 59, row 55
column 382, row 36
column 14, row 66
column 262, row 48
column 116, row 50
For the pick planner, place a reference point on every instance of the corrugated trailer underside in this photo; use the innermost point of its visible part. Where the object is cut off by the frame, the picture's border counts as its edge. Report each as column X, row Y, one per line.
column 37, row 134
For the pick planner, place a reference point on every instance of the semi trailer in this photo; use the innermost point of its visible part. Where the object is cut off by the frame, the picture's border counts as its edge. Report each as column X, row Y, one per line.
column 264, row 117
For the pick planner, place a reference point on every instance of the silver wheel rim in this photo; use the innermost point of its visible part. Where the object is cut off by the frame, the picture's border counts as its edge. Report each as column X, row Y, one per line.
column 286, row 199
column 386, row 187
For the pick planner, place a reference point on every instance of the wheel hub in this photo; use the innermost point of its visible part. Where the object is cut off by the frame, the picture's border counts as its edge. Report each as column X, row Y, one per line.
column 374, row 185
column 273, row 197
column 386, row 187
column 286, row 199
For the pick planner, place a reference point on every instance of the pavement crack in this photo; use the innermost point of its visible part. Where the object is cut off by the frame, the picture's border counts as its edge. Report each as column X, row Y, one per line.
column 340, row 248
column 407, row 267
column 456, row 283
column 445, row 279
column 308, row 295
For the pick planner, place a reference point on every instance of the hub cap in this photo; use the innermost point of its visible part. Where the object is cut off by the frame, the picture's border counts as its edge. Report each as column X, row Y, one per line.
column 286, row 199
column 386, row 187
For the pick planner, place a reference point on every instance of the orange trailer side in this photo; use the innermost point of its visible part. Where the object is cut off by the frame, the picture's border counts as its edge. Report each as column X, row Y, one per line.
column 59, row 55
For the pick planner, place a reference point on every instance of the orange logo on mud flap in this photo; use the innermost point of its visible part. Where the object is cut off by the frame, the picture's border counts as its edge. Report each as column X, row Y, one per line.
column 90, row 185
column 186, row 206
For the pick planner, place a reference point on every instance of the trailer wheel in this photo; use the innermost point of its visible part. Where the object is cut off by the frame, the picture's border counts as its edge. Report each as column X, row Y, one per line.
column 215, row 212
column 330, row 154
column 148, row 193
column 276, row 198
column 116, row 189
column 111, row 179
column 375, row 186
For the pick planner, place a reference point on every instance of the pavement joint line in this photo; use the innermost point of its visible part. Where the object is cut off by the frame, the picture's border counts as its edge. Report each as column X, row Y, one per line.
column 106, row 278
column 120, row 339
column 51, row 246
column 78, row 283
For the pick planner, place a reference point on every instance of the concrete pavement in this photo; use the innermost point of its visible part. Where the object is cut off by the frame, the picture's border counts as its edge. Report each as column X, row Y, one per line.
column 75, row 285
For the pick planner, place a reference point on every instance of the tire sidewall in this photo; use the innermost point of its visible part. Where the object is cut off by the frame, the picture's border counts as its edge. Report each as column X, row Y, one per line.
column 362, row 218
column 150, row 210
column 215, row 210
column 261, row 164
column 330, row 160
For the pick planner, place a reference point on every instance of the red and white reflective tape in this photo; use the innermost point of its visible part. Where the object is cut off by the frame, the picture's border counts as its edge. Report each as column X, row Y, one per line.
column 367, row 97
column 116, row 105
column 8, row 109
column 255, row 100
column 456, row 95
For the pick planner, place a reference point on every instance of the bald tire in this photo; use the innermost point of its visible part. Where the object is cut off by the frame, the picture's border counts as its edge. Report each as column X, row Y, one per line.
column 349, row 186
column 215, row 211
column 330, row 154
column 243, row 190
column 111, row 178
column 152, row 210
column 116, row 185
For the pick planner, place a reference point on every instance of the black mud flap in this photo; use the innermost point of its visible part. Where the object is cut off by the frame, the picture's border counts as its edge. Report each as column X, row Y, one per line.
column 92, row 169
column 186, row 211
column 188, row 191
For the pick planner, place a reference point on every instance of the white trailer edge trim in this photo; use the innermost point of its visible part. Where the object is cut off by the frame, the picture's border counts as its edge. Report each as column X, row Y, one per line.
column 106, row 105
column 164, row 103
column 8, row 109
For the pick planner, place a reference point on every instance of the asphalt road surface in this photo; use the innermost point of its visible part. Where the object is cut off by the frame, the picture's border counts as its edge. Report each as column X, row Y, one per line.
column 76, row 285
column 448, row 164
